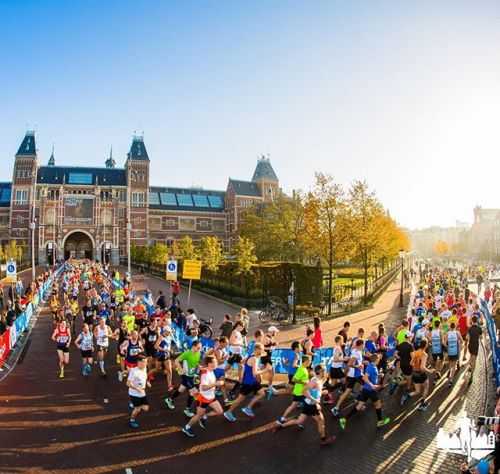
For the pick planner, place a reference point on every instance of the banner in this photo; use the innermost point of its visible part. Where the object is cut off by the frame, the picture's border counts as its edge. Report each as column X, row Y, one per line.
column 12, row 336
column 20, row 324
column 4, row 346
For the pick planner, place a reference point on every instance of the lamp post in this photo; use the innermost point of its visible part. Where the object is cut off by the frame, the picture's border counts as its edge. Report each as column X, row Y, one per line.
column 129, row 228
column 401, row 259
column 33, row 270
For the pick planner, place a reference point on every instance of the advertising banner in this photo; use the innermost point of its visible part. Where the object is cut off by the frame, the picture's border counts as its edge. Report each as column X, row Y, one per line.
column 4, row 346
column 78, row 209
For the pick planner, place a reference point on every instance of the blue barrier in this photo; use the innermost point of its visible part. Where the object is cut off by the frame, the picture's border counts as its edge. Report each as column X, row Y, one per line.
column 492, row 334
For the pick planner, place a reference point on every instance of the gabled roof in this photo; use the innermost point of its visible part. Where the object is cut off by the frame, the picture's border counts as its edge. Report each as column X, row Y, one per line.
column 5, row 191
column 264, row 170
column 80, row 175
column 186, row 199
column 245, row 188
column 28, row 145
column 138, row 150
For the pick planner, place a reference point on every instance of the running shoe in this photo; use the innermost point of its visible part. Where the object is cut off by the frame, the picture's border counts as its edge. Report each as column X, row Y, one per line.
column 229, row 416
column 404, row 399
column 248, row 412
column 269, row 394
column 170, row 404
column 188, row 432
column 301, row 427
column 423, row 406
column 335, row 411
column 327, row 441
column 203, row 422
column 133, row 424
column 130, row 406
column 228, row 402
column 383, row 422
column 120, row 376
column 61, row 374
column 450, row 383
column 392, row 388
column 188, row 413
column 280, row 420
column 342, row 423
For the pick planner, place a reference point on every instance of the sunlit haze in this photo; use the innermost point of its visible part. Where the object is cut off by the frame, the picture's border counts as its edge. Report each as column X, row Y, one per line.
column 403, row 94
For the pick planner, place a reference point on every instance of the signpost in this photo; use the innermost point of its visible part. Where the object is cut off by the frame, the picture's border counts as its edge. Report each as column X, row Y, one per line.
column 191, row 270
column 11, row 271
column 172, row 270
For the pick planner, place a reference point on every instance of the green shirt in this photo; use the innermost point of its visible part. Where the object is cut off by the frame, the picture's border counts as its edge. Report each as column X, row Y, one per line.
column 300, row 378
column 190, row 361
column 401, row 336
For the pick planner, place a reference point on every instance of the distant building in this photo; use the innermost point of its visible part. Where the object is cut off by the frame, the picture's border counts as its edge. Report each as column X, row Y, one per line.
column 85, row 211
column 424, row 240
column 485, row 232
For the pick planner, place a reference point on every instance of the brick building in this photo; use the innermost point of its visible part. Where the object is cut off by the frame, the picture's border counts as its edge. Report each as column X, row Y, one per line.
column 92, row 211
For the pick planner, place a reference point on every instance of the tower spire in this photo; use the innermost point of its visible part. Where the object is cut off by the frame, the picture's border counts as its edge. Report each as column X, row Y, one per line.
column 110, row 162
column 52, row 160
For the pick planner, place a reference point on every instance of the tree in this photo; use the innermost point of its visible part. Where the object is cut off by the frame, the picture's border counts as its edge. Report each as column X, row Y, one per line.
column 211, row 252
column 13, row 251
column 159, row 254
column 185, row 249
column 326, row 225
column 244, row 254
column 441, row 248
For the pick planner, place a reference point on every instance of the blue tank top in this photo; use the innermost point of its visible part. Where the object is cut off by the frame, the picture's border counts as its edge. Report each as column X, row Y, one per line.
column 133, row 350
column 436, row 341
column 452, row 343
column 248, row 377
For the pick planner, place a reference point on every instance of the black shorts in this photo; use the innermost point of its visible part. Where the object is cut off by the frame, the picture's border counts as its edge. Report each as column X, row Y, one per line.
column 473, row 351
column 406, row 370
column 187, row 382
column 266, row 360
column 336, row 373
column 352, row 381
column 310, row 410
column 138, row 401
column 150, row 351
column 419, row 377
column 64, row 348
column 247, row 389
column 366, row 395
column 298, row 398
column 86, row 354
column 453, row 357
column 437, row 356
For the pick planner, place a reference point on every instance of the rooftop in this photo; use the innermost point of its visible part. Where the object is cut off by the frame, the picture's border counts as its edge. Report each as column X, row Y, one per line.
column 187, row 199
column 81, row 175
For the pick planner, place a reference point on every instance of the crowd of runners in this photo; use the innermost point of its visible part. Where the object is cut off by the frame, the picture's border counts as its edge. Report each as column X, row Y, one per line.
column 94, row 308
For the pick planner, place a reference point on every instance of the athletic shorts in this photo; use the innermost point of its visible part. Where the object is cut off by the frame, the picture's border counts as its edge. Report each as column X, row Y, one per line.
column 473, row 351
column 453, row 357
column 419, row 377
column 138, row 401
column 352, row 381
column 219, row 373
column 310, row 410
column 129, row 364
column 203, row 403
column 64, row 348
column 86, row 354
column 366, row 395
column 188, row 382
column 437, row 356
column 247, row 389
column 298, row 398
column 266, row 360
column 150, row 352
column 102, row 348
column 336, row 373
column 406, row 370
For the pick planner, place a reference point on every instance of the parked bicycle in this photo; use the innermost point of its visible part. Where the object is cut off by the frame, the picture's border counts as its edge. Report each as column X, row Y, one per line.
column 274, row 311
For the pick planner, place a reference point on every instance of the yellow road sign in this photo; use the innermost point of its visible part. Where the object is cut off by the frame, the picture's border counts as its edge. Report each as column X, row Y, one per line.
column 191, row 269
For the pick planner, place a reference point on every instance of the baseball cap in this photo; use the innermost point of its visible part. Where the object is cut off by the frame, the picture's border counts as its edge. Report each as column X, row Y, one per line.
column 273, row 329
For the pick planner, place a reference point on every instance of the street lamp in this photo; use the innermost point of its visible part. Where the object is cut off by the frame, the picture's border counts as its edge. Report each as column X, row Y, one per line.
column 33, row 270
column 401, row 259
column 129, row 228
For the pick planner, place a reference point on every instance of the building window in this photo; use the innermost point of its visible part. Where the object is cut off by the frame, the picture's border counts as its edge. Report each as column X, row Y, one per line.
column 21, row 196
column 203, row 224
column 187, row 224
column 4, row 220
column 218, row 225
column 19, row 220
column 107, row 217
column 138, row 200
column 169, row 223
column 50, row 216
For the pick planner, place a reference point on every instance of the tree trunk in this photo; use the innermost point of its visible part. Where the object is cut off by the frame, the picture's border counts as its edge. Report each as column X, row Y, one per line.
column 365, row 267
column 330, row 278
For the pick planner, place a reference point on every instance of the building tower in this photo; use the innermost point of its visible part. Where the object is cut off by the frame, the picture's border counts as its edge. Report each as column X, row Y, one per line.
column 22, row 204
column 266, row 179
column 137, row 170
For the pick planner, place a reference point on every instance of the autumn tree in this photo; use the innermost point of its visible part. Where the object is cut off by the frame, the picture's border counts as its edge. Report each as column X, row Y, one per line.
column 441, row 248
column 326, row 225
column 244, row 255
column 211, row 252
column 159, row 253
column 184, row 249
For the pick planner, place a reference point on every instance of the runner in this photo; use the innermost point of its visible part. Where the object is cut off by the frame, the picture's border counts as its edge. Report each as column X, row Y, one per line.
column 370, row 391
column 150, row 335
column 132, row 348
column 163, row 348
column 473, row 337
column 312, row 407
column 436, row 339
column 206, row 396
column 137, row 383
column 85, row 342
column 62, row 338
column 102, row 333
column 454, row 342
column 187, row 367
column 250, row 384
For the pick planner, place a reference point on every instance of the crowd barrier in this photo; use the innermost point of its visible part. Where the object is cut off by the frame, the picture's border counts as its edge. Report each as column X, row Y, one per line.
column 492, row 334
column 9, row 338
column 282, row 358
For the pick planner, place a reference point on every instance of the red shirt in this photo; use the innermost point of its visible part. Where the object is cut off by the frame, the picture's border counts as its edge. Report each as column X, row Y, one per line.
column 462, row 325
column 317, row 339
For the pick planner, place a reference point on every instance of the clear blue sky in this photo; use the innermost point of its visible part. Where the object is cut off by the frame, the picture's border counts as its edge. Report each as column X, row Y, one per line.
column 403, row 94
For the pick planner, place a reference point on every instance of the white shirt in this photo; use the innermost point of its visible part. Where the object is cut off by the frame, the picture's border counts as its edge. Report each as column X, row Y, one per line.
column 190, row 319
column 207, row 378
column 138, row 377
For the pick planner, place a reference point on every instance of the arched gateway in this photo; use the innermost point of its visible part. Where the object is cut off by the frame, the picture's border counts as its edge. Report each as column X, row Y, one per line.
column 78, row 244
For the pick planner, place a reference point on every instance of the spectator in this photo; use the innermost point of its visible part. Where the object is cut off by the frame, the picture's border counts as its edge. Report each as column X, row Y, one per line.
column 160, row 301
column 317, row 339
column 226, row 328
column 11, row 315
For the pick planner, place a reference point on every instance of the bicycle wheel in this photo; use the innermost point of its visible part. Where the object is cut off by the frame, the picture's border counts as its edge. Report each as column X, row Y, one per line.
column 264, row 316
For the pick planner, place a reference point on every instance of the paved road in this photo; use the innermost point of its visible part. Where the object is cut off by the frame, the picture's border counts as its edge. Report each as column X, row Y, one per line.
column 65, row 426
